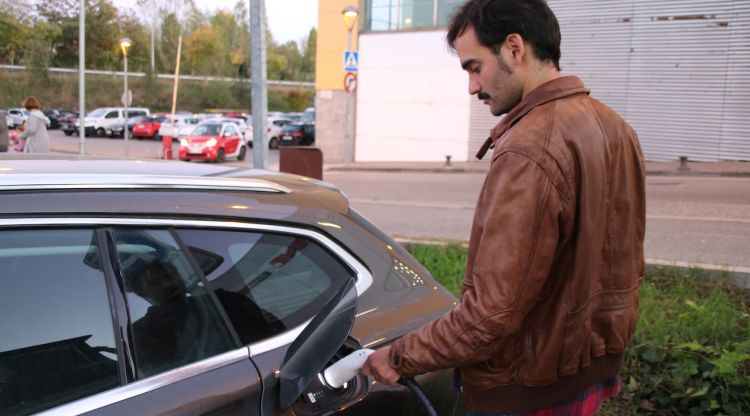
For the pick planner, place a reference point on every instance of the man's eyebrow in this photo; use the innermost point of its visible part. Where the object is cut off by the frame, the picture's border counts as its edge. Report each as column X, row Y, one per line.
column 467, row 63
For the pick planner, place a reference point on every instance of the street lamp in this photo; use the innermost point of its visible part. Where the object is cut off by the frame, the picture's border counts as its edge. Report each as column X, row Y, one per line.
column 349, row 13
column 125, row 43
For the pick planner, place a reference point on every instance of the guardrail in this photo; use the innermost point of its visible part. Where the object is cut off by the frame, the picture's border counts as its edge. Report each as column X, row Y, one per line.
column 275, row 83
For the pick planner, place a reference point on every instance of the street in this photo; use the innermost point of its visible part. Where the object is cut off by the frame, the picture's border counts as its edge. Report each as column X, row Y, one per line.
column 690, row 220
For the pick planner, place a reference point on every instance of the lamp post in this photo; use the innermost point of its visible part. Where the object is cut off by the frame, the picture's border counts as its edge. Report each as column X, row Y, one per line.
column 125, row 43
column 349, row 13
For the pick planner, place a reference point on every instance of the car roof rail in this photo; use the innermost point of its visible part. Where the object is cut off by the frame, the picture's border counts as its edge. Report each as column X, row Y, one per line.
column 29, row 182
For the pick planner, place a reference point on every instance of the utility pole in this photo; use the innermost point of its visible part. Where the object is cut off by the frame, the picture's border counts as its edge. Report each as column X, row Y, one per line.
column 258, row 78
column 153, row 29
column 82, row 77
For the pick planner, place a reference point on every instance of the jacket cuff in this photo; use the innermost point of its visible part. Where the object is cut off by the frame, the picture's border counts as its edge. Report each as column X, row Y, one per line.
column 399, row 359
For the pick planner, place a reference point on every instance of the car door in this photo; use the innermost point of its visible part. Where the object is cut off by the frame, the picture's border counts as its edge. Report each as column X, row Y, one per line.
column 231, row 139
column 113, row 321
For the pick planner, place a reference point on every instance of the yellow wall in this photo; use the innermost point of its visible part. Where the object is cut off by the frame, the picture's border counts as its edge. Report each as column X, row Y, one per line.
column 331, row 44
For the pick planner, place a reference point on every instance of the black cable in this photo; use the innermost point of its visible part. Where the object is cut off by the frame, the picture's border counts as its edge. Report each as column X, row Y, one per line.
column 417, row 390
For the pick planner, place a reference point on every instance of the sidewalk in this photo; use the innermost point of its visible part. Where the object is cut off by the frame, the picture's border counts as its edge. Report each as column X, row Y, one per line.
column 725, row 168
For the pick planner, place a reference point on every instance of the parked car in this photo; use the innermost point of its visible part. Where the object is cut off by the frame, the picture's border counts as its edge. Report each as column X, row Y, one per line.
column 297, row 135
column 19, row 114
column 70, row 124
column 183, row 126
column 115, row 304
column 275, row 125
column 118, row 130
column 214, row 141
column 10, row 121
column 55, row 117
column 148, row 128
column 97, row 121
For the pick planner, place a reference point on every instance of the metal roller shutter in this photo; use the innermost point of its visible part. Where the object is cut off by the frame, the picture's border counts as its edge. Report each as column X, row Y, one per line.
column 677, row 70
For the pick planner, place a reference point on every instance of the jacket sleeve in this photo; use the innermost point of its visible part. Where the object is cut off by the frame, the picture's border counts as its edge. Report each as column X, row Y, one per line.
column 514, row 256
column 32, row 124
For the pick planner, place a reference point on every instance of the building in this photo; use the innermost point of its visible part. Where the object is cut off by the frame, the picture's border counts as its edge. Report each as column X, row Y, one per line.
column 678, row 71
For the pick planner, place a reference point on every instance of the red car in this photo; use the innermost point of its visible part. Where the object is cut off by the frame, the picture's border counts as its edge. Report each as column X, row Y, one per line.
column 147, row 128
column 215, row 141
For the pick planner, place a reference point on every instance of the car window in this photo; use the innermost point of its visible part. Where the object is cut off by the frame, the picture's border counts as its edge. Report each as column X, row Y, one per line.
column 58, row 341
column 267, row 283
column 136, row 113
column 174, row 320
column 207, row 130
column 112, row 114
column 229, row 128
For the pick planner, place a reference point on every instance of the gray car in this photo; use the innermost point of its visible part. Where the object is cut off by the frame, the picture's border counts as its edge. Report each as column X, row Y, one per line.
column 196, row 290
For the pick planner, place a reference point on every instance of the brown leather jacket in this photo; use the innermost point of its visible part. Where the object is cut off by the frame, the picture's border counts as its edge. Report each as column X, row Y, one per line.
column 549, row 299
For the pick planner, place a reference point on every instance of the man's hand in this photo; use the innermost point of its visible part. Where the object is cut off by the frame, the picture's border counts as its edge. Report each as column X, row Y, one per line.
column 378, row 365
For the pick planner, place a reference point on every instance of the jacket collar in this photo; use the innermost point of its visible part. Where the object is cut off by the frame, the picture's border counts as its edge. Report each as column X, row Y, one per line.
column 549, row 91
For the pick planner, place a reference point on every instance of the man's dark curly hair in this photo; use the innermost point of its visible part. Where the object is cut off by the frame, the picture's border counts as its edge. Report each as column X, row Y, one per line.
column 494, row 20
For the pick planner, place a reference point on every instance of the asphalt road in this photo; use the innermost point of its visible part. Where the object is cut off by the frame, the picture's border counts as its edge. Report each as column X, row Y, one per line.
column 690, row 220
column 693, row 220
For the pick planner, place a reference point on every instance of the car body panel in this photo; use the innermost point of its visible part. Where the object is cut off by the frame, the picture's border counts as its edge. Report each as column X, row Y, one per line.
column 395, row 293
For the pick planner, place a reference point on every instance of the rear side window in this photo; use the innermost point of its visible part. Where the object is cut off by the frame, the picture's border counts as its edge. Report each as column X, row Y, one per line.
column 112, row 114
column 267, row 282
column 174, row 320
column 57, row 343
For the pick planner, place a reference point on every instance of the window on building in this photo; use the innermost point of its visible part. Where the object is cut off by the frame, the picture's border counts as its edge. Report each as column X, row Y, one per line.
column 392, row 15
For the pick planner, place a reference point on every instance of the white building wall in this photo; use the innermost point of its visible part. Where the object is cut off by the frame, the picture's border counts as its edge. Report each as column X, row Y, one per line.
column 412, row 99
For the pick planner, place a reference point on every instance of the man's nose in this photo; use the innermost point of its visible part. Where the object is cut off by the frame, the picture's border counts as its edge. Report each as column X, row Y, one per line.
column 474, row 87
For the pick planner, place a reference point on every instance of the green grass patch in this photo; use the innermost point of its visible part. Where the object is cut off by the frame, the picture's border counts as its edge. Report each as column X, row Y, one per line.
column 690, row 354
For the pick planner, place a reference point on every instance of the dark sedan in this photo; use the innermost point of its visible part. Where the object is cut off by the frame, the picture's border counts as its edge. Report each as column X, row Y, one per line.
column 156, row 288
column 297, row 135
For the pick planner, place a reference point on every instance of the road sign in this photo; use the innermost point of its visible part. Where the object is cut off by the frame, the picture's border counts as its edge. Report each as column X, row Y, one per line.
column 130, row 98
column 351, row 61
column 350, row 82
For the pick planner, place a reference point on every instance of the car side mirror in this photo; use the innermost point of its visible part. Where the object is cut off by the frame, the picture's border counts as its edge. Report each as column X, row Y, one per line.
column 318, row 343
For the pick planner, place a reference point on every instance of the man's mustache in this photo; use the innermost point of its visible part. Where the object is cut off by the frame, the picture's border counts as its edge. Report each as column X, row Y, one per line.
column 483, row 96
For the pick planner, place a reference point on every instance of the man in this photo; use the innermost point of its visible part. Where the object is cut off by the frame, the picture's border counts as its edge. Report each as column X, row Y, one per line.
column 549, row 299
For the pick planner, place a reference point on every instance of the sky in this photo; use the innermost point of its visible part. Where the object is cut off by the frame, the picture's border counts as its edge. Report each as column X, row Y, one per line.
column 287, row 19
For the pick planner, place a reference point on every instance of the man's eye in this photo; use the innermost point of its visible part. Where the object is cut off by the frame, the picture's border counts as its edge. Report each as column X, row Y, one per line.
column 475, row 70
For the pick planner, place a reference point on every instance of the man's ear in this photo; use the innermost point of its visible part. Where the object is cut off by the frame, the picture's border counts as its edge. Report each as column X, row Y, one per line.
column 516, row 48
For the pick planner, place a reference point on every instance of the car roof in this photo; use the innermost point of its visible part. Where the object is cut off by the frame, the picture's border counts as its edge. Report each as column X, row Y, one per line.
column 67, row 185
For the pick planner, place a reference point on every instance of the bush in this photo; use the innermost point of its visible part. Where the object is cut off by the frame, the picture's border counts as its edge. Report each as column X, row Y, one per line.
column 690, row 354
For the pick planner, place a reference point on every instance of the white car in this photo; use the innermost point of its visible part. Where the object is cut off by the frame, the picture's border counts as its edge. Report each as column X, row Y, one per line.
column 19, row 116
column 98, row 121
column 275, row 127
column 183, row 126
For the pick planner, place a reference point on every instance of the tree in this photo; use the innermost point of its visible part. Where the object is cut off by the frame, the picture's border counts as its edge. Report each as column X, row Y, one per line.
column 202, row 51
column 308, row 57
column 167, row 47
column 14, row 39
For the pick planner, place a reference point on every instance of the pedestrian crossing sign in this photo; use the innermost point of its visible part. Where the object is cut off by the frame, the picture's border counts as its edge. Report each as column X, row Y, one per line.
column 351, row 61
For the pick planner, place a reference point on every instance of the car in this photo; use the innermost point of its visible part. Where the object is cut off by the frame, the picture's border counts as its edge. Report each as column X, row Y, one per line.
column 99, row 120
column 245, row 129
column 117, row 130
column 297, row 135
column 10, row 121
column 69, row 123
column 116, row 304
column 148, row 127
column 19, row 116
column 213, row 140
column 55, row 117
column 275, row 124
column 183, row 126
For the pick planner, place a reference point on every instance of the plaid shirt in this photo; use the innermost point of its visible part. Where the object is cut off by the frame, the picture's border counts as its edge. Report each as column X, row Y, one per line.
column 584, row 403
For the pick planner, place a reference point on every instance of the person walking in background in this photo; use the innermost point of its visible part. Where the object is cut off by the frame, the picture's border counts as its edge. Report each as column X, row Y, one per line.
column 35, row 131
column 4, row 142
column 549, row 300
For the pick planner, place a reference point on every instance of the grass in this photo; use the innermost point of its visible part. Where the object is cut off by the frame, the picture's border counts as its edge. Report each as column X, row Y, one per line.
column 691, row 350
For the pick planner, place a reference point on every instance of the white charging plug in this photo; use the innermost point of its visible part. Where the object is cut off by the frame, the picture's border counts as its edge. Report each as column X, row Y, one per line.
column 346, row 368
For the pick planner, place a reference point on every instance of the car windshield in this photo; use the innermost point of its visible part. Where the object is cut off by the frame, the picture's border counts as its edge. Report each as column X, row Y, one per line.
column 207, row 130
column 97, row 113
